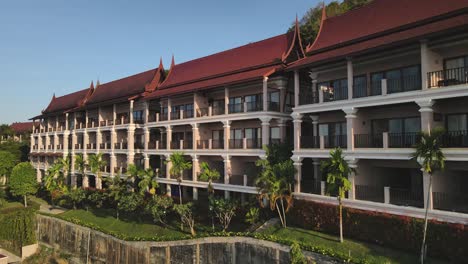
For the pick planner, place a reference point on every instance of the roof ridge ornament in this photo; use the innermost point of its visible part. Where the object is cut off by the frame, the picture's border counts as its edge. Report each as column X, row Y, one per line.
column 324, row 17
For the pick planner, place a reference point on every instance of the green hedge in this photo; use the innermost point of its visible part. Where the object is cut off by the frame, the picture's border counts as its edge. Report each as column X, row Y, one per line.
column 17, row 227
column 444, row 240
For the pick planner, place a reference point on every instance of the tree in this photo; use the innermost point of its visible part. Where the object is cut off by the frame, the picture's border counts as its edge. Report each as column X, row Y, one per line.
column 96, row 163
column 337, row 170
column 209, row 175
column 275, row 180
column 23, row 181
column 76, row 195
column 117, row 188
column 81, row 164
column 7, row 162
column 186, row 215
column 148, row 182
column 158, row 207
column 178, row 166
column 133, row 173
column 428, row 153
column 252, row 216
column 128, row 203
column 224, row 210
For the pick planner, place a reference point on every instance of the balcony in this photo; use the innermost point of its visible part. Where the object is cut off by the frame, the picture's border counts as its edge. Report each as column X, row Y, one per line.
column 253, row 106
column 236, row 143
column 106, row 123
column 447, row 77
column 324, row 142
column 253, row 143
column 274, row 106
column 59, row 147
column 80, row 125
column 309, row 98
column 312, row 142
column 78, row 146
column 235, row 108
column 91, row 146
column 162, row 117
column 122, row 121
column 403, row 140
column 210, row 144
column 188, row 114
column 120, row 145
column 105, row 146
column 138, row 145
column 456, row 202
column 91, row 124
column 202, row 112
column 368, row 140
column 175, row 115
column 335, row 94
column 455, row 139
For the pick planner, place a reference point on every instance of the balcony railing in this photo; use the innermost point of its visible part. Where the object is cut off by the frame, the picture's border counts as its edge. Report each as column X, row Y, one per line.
column 188, row 144
column 310, row 142
column 368, row 140
column 217, row 144
column 403, row 140
column 236, row 108
column 456, row 202
column 201, row 112
column 253, row 106
column 163, row 116
column 236, row 143
column 162, row 145
column 91, row 146
column 203, row 144
column 455, row 139
column 404, row 84
column 274, row 106
column 122, row 121
column 78, row 146
column 175, row 144
column 120, row 145
column 406, row 197
column 105, row 146
column 188, row 113
column 335, row 94
column 360, row 90
column 275, row 141
column 309, row 98
column 369, row 193
column 175, row 115
column 254, row 143
column 340, row 141
column 138, row 145
column 447, row 77
column 218, row 110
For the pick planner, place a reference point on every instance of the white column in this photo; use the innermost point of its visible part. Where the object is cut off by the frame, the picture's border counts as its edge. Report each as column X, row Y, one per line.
column 169, row 108
column 114, row 114
column 298, row 165
column 351, row 177
column 113, row 163
column 296, row 88
column 350, row 125
column 315, row 121
column 349, row 68
column 424, row 64
column 130, row 144
column 297, row 130
column 195, row 135
column 168, row 136
column 146, row 112
column 131, row 111
column 265, row 131
column 227, row 173
column 147, row 138
column 113, row 139
column 227, row 133
column 98, row 140
column 282, row 129
column 265, row 94
column 226, row 100
column 427, row 190
column 147, row 161
column 427, row 114
column 195, row 171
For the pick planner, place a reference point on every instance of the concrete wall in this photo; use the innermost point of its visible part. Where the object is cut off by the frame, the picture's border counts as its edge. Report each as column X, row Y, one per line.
column 96, row 247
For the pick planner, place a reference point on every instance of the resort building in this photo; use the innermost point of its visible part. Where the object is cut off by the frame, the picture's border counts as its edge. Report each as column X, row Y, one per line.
column 370, row 82
column 17, row 131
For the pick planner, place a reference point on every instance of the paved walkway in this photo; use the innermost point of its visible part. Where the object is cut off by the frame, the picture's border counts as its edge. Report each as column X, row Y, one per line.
column 50, row 210
column 12, row 258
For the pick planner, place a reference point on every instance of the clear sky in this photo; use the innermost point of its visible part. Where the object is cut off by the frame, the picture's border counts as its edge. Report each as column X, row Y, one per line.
column 59, row 46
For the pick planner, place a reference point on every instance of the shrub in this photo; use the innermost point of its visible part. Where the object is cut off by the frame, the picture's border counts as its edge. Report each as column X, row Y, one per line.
column 297, row 257
column 252, row 216
column 17, row 227
column 444, row 240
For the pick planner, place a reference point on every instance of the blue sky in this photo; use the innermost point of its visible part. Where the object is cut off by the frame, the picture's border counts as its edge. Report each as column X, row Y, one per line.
column 58, row 46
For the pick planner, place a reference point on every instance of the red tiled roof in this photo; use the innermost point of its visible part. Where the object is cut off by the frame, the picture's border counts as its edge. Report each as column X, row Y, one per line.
column 245, row 76
column 122, row 88
column 380, row 16
column 67, row 102
column 261, row 53
column 22, row 127
column 416, row 33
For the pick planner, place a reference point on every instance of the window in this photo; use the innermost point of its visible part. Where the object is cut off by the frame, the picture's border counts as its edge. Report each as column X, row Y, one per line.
column 334, row 90
column 398, row 80
column 218, row 107
column 455, row 69
column 235, row 105
column 138, row 116
column 332, row 129
column 359, row 86
column 457, row 122
column 274, row 101
column 253, row 102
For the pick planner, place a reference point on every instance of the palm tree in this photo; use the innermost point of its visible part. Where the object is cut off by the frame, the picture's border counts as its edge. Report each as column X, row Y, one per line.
column 80, row 164
column 428, row 152
column 208, row 174
column 148, row 182
column 275, row 180
column 133, row 173
column 337, row 170
column 178, row 166
column 96, row 163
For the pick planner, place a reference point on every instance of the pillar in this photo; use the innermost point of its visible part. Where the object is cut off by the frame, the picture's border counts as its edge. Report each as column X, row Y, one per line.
column 265, row 131
column 131, row 111
column 297, row 130
column 349, row 70
column 351, row 177
column 56, row 141
column 195, row 171
column 168, row 175
column 113, row 163
column 146, row 133
column 296, row 88
column 227, row 173
column 113, row 136
column 427, row 190
column 315, row 121
column 298, row 177
column 114, row 114
column 195, row 135
column 169, row 108
column 350, row 125
column 168, row 137
column 424, row 64
column 265, row 93
column 226, row 100
column 147, row 161
column 98, row 139
column 427, row 114
column 282, row 129
column 130, row 144
column 227, row 133
column 282, row 99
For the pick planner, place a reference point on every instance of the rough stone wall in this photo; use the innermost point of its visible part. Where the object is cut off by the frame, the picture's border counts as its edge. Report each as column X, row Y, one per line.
column 96, row 247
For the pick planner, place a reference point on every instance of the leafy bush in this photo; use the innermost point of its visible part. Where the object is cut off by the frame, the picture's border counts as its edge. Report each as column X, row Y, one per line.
column 17, row 227
column 252, row 216
column 297, row 257
column 445, row 240
column 159, row 207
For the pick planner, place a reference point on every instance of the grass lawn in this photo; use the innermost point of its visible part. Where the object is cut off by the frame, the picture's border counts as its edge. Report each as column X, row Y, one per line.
column 357, row 250
column 105, row 220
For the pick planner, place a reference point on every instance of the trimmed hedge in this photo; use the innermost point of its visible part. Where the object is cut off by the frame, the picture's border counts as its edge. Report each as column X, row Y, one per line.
column 444, row 240
column 17, row 227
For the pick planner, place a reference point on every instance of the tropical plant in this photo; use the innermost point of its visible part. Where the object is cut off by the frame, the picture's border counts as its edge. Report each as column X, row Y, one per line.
column 275, row 181
column 117, row 188
column 81, row 165
column 297, row 257
column 76, row 195
column 128, row 203
column 133, row 173
column 23, row 181
column 178, row 166
column 159, row 207
column 96, row 163
column 337, row 170
column 224, row 210
column 186, row 215
column 208, row 174
column 148, row 182
column 252, row 216
column 428, row 153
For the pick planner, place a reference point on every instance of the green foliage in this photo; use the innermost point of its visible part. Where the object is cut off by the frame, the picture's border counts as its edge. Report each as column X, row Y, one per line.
column 428, row 150
column 17, row 227
column 95, row 163
column 76, row 195
column 224, row 210
column 23, row 180
column 129, row 202
column 178, row 166
column 80, row 163
column 310, row 22
column 297, row 257
column 185, row 211
column 275, row 180
column 96, row 199
column 148, row 182
column 208, row 174
column 337, row 170
column 252, row 216
column 20, row 150
column 7, row 162
column 159, row 207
